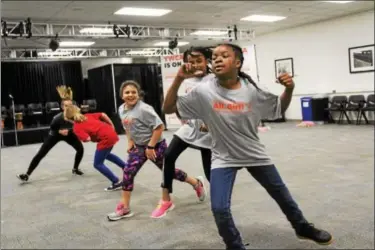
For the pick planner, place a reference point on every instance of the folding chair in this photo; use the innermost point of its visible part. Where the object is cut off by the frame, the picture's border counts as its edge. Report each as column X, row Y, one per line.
column 370, row 106
column 35, row 110
column 355, row 104
column 338, row 104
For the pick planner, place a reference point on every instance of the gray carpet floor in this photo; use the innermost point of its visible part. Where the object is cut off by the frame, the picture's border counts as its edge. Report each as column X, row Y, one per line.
column 329, row 169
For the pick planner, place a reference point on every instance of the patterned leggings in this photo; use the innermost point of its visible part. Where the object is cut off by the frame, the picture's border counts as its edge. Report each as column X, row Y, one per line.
column 136, row 159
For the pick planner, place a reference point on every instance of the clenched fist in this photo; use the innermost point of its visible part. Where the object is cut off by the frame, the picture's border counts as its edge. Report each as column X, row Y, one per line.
column 286, row 80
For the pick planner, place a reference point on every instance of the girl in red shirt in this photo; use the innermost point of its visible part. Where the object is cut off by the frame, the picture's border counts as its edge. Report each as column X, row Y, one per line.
column 97, row 127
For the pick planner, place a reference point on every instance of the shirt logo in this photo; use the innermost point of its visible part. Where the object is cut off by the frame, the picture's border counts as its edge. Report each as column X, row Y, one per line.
column 188, row 89
column 232, row 107
column 127, row 121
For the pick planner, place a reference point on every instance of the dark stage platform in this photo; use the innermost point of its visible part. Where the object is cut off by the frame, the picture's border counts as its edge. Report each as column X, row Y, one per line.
column 24, row 136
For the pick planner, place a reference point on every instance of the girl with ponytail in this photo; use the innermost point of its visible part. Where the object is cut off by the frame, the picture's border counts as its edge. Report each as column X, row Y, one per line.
column 97, row 127
column 60, row 130
column 232, row 105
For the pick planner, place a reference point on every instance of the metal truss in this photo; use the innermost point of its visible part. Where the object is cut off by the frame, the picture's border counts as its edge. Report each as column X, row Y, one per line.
column 135, row 32
column 33, row 54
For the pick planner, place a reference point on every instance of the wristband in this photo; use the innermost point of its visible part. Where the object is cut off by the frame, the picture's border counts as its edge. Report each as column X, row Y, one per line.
column 150, row 147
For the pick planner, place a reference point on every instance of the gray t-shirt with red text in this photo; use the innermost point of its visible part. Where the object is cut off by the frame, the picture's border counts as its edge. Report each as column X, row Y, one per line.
column 140, row 122
column 190, row 132
column 232, row 117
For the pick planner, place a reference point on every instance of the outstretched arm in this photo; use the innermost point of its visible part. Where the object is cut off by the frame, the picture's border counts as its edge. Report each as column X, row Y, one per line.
column 286, row 98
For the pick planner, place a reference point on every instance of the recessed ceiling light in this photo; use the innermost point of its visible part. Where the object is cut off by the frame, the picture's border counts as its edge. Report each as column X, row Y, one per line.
column 209, row 33
column 180, row 43
column 263, row 18
column 75, row 44
column 129, row 11
column 338, row 1
column 96, row 30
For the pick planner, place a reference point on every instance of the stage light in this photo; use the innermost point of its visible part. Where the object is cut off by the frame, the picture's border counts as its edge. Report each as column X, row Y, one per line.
column 28, row 28
column 127, row 30
column 20, row 28
column 116, row 30
column 235, row 32
column 54, row 44
column 4, row 29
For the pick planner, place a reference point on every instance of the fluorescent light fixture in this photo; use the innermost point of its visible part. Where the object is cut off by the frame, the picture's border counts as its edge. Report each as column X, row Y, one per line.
column 54, row 53
column 75, row 44
column 167, row 43
column 129, row 11
column 209, row 33
column 338, row 1
column 263, row 18
column 96, row 30
column 139, row 52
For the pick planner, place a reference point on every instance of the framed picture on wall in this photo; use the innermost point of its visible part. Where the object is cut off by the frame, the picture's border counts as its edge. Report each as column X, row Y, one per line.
column 361, row 59
column 284, row 65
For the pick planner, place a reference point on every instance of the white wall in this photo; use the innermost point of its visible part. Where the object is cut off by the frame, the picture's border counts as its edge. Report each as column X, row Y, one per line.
column 91, row 63
column 320, row 55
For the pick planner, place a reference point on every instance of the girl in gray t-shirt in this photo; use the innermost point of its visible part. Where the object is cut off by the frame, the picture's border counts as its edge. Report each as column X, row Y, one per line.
column 144, row 130
column 232, row 105
column 193, row 134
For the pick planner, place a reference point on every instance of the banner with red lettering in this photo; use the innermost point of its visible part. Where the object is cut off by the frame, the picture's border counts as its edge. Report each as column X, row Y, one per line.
column 250, row 65
column 171, row 63
column 169, row 67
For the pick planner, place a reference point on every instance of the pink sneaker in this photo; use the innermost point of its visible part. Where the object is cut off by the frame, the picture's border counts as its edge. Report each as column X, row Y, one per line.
column 162, row 209
column 120, row 213
column 263, row 129
column 200, row 189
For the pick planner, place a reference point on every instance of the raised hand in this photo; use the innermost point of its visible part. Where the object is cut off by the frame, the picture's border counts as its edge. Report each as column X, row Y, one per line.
column 286, row 80
column 188, row 71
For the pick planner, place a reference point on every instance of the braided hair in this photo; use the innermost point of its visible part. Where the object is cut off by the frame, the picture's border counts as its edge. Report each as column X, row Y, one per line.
column 205, row 51
column 239, row 54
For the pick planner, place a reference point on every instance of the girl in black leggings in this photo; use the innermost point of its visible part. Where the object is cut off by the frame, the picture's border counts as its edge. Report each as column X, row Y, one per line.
column 193, row 134
column 60, row 130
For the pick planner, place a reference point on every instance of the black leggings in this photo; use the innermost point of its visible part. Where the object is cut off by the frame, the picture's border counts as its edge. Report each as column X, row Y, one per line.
column 175, row 148
column 50, row 142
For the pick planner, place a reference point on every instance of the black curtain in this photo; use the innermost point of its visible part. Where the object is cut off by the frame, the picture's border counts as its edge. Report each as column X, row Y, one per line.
column 36, row 82
column 87, row 91
column 147, row 75
column 101, row 87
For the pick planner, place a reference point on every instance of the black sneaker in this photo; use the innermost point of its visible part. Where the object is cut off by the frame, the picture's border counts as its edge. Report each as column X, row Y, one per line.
column 23, row 177
column 77, row 171
column 114, row 187
column 308, row 231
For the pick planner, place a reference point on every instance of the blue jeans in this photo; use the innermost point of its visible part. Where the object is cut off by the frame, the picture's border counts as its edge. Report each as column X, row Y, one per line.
column 222, row 180
column 100, row 157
